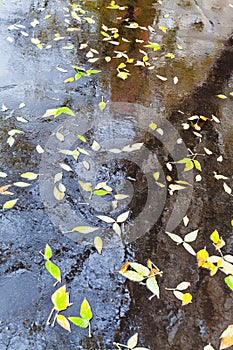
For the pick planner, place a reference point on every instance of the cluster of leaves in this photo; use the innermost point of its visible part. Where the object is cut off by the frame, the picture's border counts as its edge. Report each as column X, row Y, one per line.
column 139, row 273
column 148, row 275
column 61, row 300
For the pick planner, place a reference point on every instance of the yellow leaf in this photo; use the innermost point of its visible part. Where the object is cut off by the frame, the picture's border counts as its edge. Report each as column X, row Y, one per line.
column 187, row 299
column 221, row 96
column 202, row 256
column 153, row 126
column 227, row 338
column 164, row 29
column 215, row 236
column 123, row 75
column 121, row 65
column 210, row 266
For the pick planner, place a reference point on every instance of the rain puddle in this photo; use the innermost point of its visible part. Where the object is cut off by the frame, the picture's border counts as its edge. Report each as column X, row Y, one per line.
column 116, row 124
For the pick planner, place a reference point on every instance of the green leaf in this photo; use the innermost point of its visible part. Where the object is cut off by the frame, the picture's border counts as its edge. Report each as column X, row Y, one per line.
column 48, row 254
column 229, row 281
column 153, row 46
column 64, row 110
column 60, row 299
column 197, row 165
column 85, row 310
column 132, row 342
column 79, row 321
column 10, row 204
column 53, row 269
column 132, row 276
column 63, row 322
column 93, row 71
column 152, row 285
column 142, row 270
column 101, row 192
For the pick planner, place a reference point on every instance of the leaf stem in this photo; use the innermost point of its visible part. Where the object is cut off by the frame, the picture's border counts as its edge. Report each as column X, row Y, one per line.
column 54, row 320
column 89, row 330
column 50, row 316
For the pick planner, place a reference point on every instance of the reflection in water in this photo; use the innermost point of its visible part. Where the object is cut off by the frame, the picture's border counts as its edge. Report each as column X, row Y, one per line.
column 30, row 75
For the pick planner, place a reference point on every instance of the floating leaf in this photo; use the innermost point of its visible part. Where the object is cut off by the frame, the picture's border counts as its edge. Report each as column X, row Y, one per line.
column 29, row 176
column 227, row 189
column 132, row 342
column 39, row 149
column 202, row 257
column 102, row 105
column 179, row 295
column 63, row 322
column 132, row 276
column 95, row 146
column 121, row 196
column 48, row 254
column 98, row 243
column 64, row 110
column 152, row 285
column 101, row 192
column 10, row 141
column 227, row 338
column 160, row 77
column 123, row 217
column 185, row 220
column 191, row 237
column 197, row 165
column 60, row 298
column 175, row 237
column 106, row 219
column 117, row 229
column 183, row 285
column 79, row 321
column 208, row 347
column 2, row 174
column 85, row 229
column 123, row 75
column 66, row 167
column 54, row 270
column 139, row 268
column 21, row 184
column 187, row 299
column 85, row 310
column 221, row 96
column 229, row 281
column 189, row 248
column 10, row 204
column 58, row 194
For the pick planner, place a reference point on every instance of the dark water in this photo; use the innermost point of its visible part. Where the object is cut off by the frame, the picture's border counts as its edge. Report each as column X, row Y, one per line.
column 204, row 67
